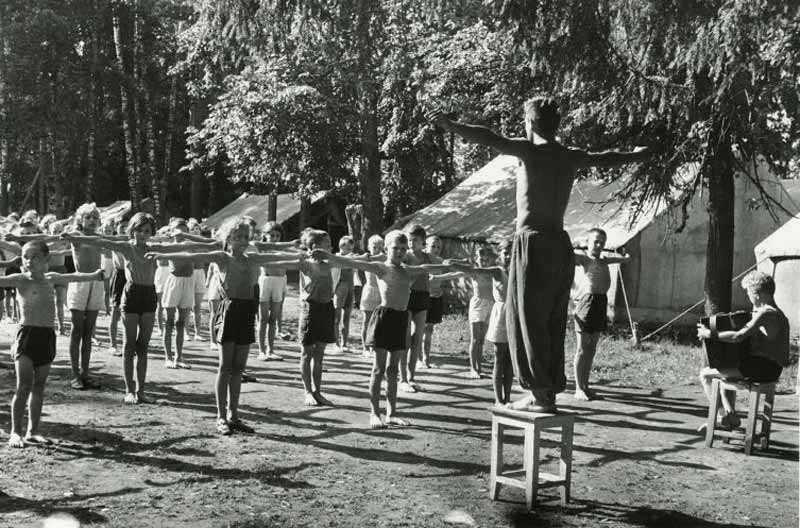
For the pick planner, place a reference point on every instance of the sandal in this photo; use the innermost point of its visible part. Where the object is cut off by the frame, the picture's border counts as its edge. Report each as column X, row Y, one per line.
column 222, row 427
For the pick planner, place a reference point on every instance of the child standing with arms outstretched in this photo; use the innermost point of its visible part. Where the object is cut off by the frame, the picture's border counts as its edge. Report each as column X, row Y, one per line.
column 418, row 304
column 370, row 294
column 591, row 306
column 388, row 327
column 343, row 291
column 35, row 345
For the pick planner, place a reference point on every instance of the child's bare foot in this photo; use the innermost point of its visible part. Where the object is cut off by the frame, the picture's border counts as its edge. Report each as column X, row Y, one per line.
column 581, row 395
column 375, row 422
column 394, row 420
column 130, row 398
column 322, row 400
column 310, row 400
column 37, row 439
column 474, row 374
column 531, row 404
column 170, row 364
column 15, row 440
column 183, row 365
column 407, row 387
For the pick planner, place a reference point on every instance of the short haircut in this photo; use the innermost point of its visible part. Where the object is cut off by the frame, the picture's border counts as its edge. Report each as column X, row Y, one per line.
column 46, row 220
column 431, row 238
column 38, row 245
column 269, row 227
column 542, row 111
column 240, row 224
column 85, row 209
column 55, row 228
column 759, row 282
column 311, row 237
column 598, row 231
column 395, row 237
column 27, row 223
column 374, row 239
column 138, row 221
column 416, row 230
column 30, row 213
column 347, row 239
column 250, row 221
column 175, row 220
column 180, row 222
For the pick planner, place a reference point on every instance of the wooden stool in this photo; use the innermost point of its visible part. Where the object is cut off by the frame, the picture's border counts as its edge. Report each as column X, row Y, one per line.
column 532, row 424
column 753, row 414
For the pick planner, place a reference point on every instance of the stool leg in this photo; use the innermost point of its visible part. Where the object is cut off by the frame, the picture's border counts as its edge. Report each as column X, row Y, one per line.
column 752, row 416
column 531, row 459
column 498, row 436
column 565, row 464
column 713, row 408
column 766, row 420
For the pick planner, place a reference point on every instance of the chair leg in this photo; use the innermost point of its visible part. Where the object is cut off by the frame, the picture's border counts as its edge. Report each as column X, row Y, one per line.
column 498, row 434
column 713, row 408
column 565, row 464
column 766, row 419
column 531, row 458
column 752, row 417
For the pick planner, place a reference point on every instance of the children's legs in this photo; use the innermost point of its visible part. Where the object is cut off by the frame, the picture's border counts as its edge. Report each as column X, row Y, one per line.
column 224, row 372
column 37, row 399
column 213, row 305
column 60, row 293
column 427, row 339
column 273, row 324
column 585, row 348
column 131, row 327
column 113, row 324
column 180, row 327
column 198, row 313
column 25, row 377
column 146, row 323
column 159, row 311
column 166, row 335
column 502, row 374
column 89, row 320
column 240, row 353
column 375, row 380
column 346, row 313
column 263, row 319
column 75, row 342
column 364, row 325
column 417, row 331
column 316, row 367
column 391, row 388
column 497, row 376
column 477, row 335
column 337, row 321
column 306, row 355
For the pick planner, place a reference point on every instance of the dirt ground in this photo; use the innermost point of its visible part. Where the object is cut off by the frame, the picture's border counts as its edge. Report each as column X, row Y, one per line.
column 637, row 460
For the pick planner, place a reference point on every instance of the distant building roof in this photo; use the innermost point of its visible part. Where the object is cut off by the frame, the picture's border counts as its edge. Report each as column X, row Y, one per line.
column 256, row 206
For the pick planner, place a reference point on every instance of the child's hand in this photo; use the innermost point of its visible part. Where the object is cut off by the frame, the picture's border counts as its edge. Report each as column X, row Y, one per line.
column 11, row 237
column 100, row 274
column 703, row 331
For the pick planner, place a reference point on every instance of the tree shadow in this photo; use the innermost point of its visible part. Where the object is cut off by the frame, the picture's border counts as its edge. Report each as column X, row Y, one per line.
column 47, row 507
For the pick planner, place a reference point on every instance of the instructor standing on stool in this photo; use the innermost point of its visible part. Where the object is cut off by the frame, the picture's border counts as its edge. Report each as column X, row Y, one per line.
column 542, row 262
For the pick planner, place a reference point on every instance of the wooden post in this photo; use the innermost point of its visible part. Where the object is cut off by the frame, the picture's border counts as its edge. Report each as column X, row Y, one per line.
column 272, row 208
column 305, row 212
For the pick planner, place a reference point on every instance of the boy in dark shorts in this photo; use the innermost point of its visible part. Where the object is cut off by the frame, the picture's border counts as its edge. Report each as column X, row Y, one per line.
column 418, row 304
column 343, row 292
column 768, row 330
column 590, row 306
column 387, row 333
column 542, row 262
column 35, row 346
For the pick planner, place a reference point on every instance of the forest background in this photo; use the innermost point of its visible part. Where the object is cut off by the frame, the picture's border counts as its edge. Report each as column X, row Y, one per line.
column 189, row 103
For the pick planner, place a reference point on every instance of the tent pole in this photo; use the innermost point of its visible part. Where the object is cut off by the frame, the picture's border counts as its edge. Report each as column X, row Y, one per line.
column 634, row 335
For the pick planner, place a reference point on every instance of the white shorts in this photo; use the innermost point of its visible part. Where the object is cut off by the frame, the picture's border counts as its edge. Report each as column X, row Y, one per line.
column 497, row 324
column 370, row 298
column 107, row 265
column 272, row 288
column 86, row 296
column 178, row 292
column 199, row 281
column 162, row 272
column 212, row 291
column 480, row 310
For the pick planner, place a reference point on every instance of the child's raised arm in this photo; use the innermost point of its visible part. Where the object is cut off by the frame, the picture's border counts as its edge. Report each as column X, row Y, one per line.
column 62, row 279
column 430, row 269
column 276, row 246
column 337, row 261
column 274, row 259
column 11, row 247
column 12, row 281
column 16, row 261
column 184, row 247
column 480, row 134
column 98, row 241
column 495, row 272
column 197, row 258
column 21, row 239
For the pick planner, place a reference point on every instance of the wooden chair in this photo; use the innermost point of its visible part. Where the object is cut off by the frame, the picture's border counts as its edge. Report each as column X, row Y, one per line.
column 754, row 413
column 533, row 479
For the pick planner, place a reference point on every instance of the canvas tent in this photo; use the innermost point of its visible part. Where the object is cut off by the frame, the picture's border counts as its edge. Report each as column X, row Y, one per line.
column 666, row 273
column 779, row 255
column 118, row 209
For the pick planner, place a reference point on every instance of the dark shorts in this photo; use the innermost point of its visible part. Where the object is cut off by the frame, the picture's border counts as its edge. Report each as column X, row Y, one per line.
column 138, row 299
column 387, row 329
column 590, row 313
column 38, row 343
column 435, row 310
column 118, row 281
column 418, row 301
column 759, row 369
column 318, row 323
column 235, row 321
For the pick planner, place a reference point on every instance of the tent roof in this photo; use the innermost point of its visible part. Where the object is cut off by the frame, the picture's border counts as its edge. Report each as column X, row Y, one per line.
column 482, row 207
column 785, row 242
column 256, row 205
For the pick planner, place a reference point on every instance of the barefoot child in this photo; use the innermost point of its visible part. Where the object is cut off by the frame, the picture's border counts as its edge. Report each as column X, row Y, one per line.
column 272, row 292
column 768, row 330
column 35, row 345
column 433, row 247
column 343, row 291
column 234, row 321
column 388, row 326
column 418, row 304
column 591, row 306
column 370, row 295
column 117, row 286
column 542, row 262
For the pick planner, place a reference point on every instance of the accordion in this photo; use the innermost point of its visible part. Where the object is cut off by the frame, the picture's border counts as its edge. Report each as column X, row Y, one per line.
column 726, row 355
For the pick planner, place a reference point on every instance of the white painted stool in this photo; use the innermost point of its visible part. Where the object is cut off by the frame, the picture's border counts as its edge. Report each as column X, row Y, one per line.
column 532, row 425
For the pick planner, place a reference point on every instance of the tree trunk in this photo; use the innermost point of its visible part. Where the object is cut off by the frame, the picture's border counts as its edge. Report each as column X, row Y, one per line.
column 91, row 153
column 370, row 167
column 196, row 192
column 720, row 248
column 42, row 187
column 305, row 212
column 127, row 127
column 162, row 183
column 272, row 208
column 4, row 159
